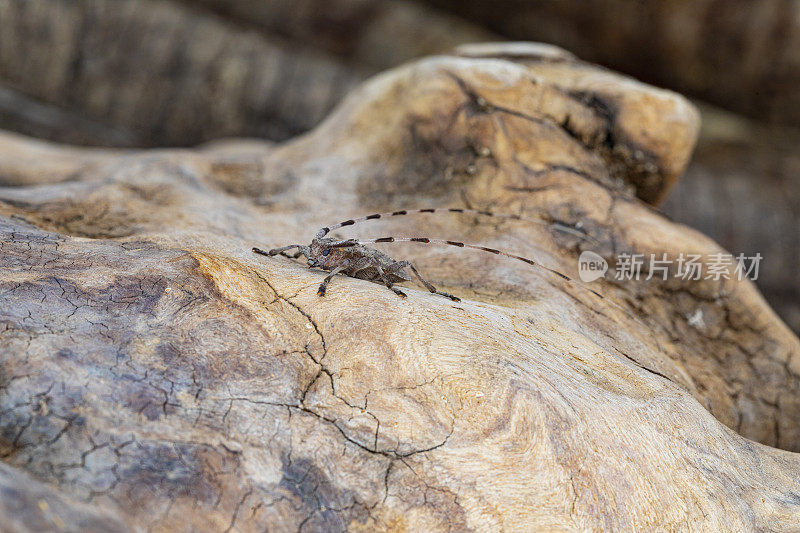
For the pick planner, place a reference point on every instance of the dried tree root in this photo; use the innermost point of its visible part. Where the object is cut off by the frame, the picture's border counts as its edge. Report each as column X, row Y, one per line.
column 151, row 365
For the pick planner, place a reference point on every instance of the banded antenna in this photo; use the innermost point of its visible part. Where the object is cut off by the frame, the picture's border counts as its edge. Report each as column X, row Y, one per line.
column 458, row 244
column 561, row 227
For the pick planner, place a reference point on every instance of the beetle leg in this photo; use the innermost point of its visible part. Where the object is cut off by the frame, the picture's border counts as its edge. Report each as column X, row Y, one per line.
column 388, row 282
column 428, row 285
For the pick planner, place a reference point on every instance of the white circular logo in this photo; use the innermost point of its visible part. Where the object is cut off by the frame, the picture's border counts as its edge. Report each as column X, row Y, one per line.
column 591, row 266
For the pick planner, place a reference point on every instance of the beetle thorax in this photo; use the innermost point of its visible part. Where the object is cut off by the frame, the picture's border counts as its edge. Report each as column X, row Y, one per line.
column 325, row 256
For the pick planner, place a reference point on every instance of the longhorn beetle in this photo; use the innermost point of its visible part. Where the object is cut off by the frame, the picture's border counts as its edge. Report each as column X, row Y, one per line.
column 352, row 258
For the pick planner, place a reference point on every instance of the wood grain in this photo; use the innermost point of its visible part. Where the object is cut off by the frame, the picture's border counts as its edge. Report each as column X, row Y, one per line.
column 152, row 366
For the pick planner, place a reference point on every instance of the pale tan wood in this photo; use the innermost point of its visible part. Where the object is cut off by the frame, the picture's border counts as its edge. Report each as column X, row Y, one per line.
column 152, row 365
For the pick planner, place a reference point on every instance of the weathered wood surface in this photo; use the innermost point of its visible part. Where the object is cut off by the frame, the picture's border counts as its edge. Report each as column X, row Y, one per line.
column 743, row 190
column 275, row 68
column 29, row 505
column 739, row 54
column 145, row 68
column 151, row 366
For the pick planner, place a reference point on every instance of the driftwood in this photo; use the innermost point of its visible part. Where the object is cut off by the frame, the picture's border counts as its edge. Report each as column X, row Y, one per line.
column 208, row 69
column 371, row 34
column 154, row 369
column 145, row 70
column 274, row 68
column 743, row 190
column 739, row 54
